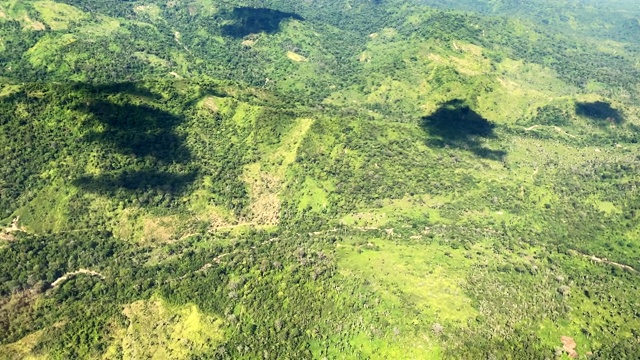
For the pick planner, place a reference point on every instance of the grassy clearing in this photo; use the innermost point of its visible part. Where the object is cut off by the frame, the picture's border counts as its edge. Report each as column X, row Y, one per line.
column 209, row 103
column 202, row 203
column 152, row 11
column 106, row 26
column 431, row 73
column 24, row 348
column 607, row 207
column 519, row 89
column 152, row 59
column 315, row 194
column 417, row 286
column 7, row 90
column 158, row 330
column 421, row 277
column 18, row 11
column 244, row 114
column 468, row 59
column 296, row 57
column 41, row 54
column 287, row 150
column 399, row 210
column 263, row 192
column 266, row 178
column 160, row 229
column 58, row 16
column 49, row 210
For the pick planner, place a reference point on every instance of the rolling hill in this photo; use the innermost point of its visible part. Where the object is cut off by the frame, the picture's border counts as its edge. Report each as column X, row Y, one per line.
column 340, row 179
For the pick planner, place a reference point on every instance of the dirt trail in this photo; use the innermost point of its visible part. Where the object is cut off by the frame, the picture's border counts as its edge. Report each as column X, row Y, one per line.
column 219, row 258
column 7, row 233
column 569, row 345
column 316, row 233
column 558, row 129
column 231, row 227
column 14, row 225
column 605, row 261
column 69, row 275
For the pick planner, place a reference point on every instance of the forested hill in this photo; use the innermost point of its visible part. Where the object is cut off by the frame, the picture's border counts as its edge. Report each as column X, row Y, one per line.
column 351, row 179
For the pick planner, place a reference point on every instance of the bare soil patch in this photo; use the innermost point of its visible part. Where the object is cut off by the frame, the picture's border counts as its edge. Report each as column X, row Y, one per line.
column 598, row 260
column 210, row 104
column 569, row 345
column 32, row 24
column 7, row 233
column 69, row 275
column 159, row 229
column 556, row 128
column 296, row 57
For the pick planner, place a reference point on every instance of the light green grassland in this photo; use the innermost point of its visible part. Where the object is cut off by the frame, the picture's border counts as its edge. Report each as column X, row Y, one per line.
column 418, row 286
column 418, row 276
column 48, row 47
column 162, row 331
column 392, row 211
column 58, row 16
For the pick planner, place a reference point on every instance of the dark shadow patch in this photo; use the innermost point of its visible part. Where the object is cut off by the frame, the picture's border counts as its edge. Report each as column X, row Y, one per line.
column 138, row 130
column 456, row 125
column 128, row 88
column 127, row 119
column 599, row 111
column 634, row 129
column 248, row 20
column 150, row 187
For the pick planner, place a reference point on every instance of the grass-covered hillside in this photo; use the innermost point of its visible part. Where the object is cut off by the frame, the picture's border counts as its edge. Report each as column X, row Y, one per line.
column 203, row 179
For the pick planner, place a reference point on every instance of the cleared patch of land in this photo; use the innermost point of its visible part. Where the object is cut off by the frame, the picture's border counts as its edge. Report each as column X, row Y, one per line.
column 556, row 128
column 266, row 179
column 23, row 349
column 158, row 330
column 57, row 15
column 409, row 279
column 296, row 57
column 421, row 277
column 68, row 276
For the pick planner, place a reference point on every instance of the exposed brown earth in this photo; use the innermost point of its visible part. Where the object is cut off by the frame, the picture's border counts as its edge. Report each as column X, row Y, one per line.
column 598, row 260
column 69, row 275
column 569, row 345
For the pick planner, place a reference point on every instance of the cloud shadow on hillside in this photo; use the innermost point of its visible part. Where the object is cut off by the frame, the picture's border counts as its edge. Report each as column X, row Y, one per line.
column 248, row 20
column 137, row 181
column 599, row 111
column 125, row 119
column 138, row 130
column 126, row 87
column 456, row 125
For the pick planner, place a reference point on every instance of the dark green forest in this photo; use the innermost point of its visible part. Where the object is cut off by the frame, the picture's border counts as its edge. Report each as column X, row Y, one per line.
column 362, row 179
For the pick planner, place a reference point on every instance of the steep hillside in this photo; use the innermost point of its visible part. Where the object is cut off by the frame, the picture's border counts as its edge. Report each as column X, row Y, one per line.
column 324, row 179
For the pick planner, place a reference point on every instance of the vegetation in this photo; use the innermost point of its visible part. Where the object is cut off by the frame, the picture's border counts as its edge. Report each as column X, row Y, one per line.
column 280, row 179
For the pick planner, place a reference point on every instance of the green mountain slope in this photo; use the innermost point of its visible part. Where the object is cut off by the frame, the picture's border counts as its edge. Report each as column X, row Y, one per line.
column 326, row 179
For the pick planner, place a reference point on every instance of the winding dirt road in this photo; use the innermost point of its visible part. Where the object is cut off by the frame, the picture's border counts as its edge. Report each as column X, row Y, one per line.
column 69, row 275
